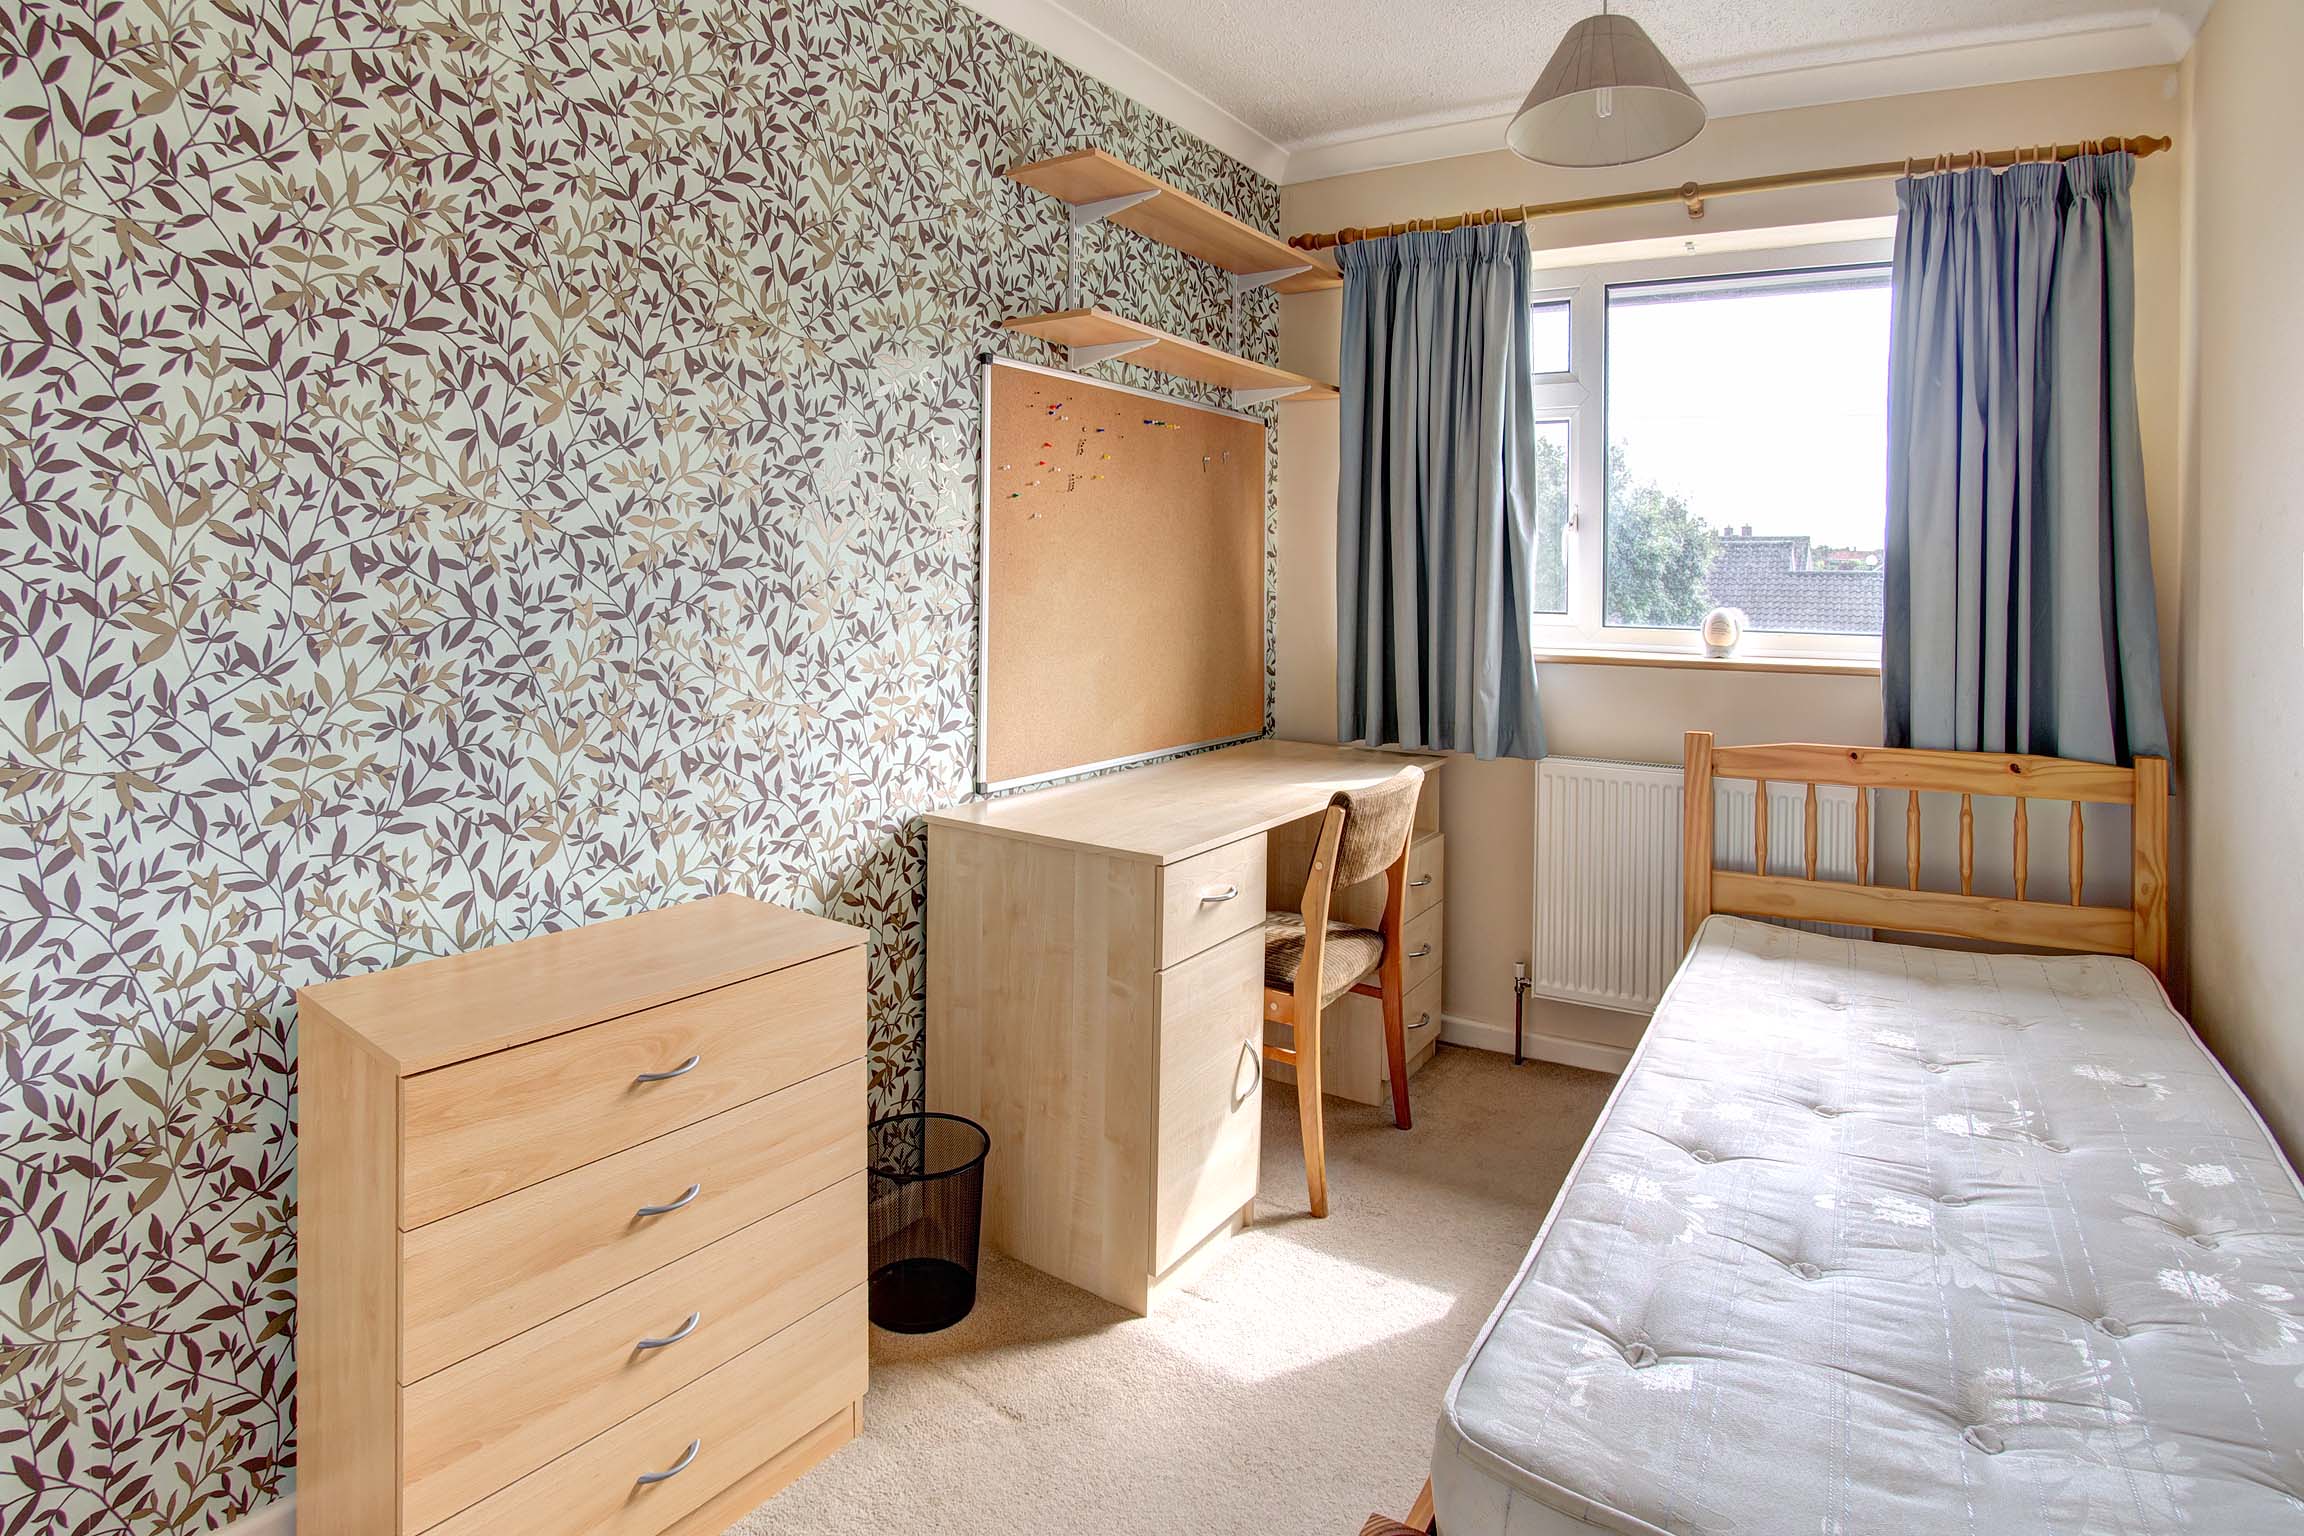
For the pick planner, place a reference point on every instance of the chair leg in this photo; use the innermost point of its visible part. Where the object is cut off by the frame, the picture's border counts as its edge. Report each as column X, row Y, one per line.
column 1308, row 1104
column 1396, row 1051
column 1392, row 975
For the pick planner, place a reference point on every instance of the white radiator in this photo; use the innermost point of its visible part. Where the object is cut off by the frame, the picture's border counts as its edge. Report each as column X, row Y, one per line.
column 1608, row 918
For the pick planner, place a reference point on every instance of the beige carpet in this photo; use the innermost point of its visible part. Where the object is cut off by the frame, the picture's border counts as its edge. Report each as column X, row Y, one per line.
column 1289, row 1391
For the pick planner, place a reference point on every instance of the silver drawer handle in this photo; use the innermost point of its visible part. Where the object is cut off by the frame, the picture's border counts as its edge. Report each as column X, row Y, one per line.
column 678, row 1467
column 665, row 1210
column 685, row 1329
column 1423, row 1019
column 1420, row 951
column 682, row 1070
column 1419, row 882
column 1228, row 893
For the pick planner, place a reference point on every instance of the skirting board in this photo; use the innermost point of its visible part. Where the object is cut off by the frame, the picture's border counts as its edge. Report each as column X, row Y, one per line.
column 277, row 1518
column 1481, row 1035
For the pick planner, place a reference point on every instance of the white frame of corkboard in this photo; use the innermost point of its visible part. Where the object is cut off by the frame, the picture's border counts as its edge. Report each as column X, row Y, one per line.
column 989, row 361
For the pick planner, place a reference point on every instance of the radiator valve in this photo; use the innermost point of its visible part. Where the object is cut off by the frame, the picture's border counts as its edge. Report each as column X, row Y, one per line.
column 1519, row 1005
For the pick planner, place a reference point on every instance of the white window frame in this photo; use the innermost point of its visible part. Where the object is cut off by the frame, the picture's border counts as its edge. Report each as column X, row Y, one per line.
column 1579, row 397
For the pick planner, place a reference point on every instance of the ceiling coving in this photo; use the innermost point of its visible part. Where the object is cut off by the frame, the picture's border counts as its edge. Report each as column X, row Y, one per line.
column 1307, row 88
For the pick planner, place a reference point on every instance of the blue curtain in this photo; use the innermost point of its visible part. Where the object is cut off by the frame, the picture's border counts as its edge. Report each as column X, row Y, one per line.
column 1435, row 525
column 2019, row 573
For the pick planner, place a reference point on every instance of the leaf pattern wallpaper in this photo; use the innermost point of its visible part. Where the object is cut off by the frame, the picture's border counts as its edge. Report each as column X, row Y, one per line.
column 470, row 469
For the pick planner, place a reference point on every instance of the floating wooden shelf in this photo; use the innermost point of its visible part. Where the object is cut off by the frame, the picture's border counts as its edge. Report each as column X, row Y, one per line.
column 1157, row 350
column 1179, row 219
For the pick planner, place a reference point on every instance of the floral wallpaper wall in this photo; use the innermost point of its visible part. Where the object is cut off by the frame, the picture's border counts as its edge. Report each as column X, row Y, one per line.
column 469, row 469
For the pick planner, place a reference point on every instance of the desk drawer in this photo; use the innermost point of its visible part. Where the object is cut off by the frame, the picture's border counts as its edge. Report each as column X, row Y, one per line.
column 484, row 1422
column 737, row 1417
column 1195, row 911
column 1363, row 905
column 479, row 1277
column 1211, row 1093
column 1421, row 933
column 1420, row 1016
column 1427, row 873
column 502, row 1122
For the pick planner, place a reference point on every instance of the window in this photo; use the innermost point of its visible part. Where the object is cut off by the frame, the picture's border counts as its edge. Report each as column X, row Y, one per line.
column 1713, row 432
column 1549, row 332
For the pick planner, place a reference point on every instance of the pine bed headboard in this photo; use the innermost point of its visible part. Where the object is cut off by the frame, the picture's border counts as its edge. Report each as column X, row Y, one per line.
column 2139, row 929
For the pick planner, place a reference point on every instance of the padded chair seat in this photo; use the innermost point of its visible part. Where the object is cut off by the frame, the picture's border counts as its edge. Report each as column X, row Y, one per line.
column 1351, row 953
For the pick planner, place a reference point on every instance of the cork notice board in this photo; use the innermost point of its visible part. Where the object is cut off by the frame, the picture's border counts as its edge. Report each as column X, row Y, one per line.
column 1123, row 575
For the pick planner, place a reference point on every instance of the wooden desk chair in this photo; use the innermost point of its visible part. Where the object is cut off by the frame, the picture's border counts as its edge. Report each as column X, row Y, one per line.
column 1310, row 961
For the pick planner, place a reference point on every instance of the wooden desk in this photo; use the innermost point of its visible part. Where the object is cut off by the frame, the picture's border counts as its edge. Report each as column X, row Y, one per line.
column 1095, row 999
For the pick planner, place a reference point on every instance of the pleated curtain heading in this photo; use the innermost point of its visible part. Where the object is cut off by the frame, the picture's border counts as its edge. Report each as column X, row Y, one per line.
column 1435, row 518
column 2020, row 614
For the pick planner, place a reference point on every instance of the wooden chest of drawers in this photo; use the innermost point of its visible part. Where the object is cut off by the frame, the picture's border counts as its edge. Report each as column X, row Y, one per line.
column 583, row 1228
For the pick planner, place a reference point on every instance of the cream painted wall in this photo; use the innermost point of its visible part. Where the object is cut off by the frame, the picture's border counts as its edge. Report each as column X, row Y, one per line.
column 1641, row 713
column 2242, row 762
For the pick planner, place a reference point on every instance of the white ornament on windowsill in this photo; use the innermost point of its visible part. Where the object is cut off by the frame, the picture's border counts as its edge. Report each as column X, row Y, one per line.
column 1723, row 630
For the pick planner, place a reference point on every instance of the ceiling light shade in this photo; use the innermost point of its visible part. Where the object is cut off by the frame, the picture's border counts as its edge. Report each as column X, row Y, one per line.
column 1609, row 97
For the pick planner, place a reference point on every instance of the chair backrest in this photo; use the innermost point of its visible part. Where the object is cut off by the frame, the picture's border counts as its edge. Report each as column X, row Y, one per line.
column 1377, row 825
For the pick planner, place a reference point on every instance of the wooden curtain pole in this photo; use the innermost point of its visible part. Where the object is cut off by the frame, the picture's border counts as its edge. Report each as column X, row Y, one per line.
column 1693, row 194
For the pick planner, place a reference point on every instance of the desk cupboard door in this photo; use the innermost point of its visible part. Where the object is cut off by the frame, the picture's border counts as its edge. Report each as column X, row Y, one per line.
column 1211, row 1028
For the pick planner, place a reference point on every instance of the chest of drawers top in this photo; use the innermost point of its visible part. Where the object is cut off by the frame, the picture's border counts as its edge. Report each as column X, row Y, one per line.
column 434, row 1013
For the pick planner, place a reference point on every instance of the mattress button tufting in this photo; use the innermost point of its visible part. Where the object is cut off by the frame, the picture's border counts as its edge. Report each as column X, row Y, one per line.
column 1937, row 1066
column 1639, row 1356
column 1827, row 1112
column 2112, row 1327
column 1701, row 1155
column 2056, row 1146
column 2202, row 1240
column 1985, row 1438
column 1953, row 1201
column 1807, row 1271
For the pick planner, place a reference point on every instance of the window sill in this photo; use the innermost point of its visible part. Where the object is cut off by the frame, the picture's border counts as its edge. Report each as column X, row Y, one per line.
column 1814, row 666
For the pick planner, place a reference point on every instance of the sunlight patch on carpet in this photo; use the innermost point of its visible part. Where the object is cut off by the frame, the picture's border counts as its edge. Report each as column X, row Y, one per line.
column 1327, row 1307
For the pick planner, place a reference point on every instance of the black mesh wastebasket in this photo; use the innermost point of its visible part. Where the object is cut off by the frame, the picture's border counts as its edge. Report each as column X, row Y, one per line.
column 927, row 1215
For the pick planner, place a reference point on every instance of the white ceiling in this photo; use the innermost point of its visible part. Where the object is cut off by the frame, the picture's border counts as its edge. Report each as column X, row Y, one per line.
column 1306, row 88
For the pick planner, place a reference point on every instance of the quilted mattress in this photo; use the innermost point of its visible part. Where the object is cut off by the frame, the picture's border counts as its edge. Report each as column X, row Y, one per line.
column 1875, row 1240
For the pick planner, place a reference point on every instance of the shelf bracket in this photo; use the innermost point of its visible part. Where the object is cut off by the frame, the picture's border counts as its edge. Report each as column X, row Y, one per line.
column 1103, row 352
column 1247, row 397
column 1249, row 282
column 1085, row 214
